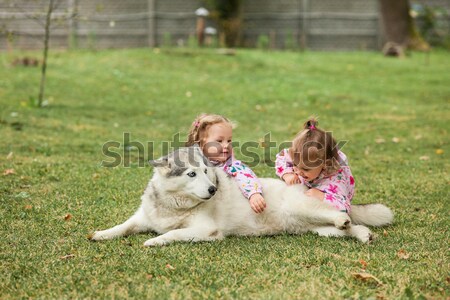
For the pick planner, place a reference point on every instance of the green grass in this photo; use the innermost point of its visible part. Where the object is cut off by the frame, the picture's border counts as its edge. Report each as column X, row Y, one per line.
column 95, row 97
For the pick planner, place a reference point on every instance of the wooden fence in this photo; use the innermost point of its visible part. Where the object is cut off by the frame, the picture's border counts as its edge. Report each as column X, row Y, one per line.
column 99, row 24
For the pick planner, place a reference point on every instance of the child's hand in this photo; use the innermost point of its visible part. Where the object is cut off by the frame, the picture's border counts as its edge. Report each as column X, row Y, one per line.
column 257, row 203
column 315, row 193
column 291, row 178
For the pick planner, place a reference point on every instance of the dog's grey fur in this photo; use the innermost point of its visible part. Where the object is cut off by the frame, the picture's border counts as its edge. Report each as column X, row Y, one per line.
column 184, row 208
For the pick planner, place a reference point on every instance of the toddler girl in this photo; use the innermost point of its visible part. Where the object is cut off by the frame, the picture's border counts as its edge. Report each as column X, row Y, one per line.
column 315, row 161
column 213, row 134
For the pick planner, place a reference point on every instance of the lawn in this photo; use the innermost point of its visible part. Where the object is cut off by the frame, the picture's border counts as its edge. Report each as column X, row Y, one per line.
column 393, row 114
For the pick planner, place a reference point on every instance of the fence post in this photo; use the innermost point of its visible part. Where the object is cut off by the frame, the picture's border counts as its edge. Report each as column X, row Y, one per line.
column 151, row 23
column 305, row 19
column 72, row 25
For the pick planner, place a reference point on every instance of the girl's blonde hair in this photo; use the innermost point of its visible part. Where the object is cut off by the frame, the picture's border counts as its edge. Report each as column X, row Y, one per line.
column 313, row 147
column 199, row 128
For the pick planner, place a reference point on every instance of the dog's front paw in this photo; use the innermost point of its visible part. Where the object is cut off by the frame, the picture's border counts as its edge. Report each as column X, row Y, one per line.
column 342, row 222
column 157, row 241
column 96, row 236
column 362, row 233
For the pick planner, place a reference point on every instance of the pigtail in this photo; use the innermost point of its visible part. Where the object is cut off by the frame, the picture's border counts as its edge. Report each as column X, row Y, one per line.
column 311, row 124
column 194, row 132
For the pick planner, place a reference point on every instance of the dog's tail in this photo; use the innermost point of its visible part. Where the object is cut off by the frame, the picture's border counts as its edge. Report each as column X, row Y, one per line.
column 371, row 215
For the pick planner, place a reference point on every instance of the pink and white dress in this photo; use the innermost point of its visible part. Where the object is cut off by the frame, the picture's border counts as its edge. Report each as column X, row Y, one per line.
column 338, row 188
column 246, row 179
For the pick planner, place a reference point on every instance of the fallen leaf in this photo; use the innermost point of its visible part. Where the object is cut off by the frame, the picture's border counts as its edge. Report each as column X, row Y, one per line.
column 149, row 276
column 168, row 266
column 67, row 217
column 363, row 263
column 10, row 155
column 424, row 157
column 395, row 140
column 402, row 254
column 366, row 277
column 9, row 172
column 379, row 141
column 95, row 176
column 67, row 256
column 439, row 151
column 385, row 233
column 28, row 206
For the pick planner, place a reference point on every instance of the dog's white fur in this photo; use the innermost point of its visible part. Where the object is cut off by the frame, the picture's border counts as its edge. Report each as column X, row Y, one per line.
column 182, row 208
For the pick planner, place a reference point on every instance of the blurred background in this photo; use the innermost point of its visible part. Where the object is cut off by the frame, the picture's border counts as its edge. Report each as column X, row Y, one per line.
column 266, row 24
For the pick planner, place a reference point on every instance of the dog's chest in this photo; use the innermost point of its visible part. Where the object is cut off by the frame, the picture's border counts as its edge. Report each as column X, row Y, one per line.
column 163, row 220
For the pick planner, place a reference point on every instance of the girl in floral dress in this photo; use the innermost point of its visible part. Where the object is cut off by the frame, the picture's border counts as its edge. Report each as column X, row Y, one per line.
column 213, row 134
column 315, row 161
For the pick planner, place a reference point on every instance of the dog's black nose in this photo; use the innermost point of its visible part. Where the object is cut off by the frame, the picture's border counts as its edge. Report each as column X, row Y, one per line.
column 212, row 190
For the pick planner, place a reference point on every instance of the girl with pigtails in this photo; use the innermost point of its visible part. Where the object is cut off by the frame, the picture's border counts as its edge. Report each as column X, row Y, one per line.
column 213, row 135
column 315, row 161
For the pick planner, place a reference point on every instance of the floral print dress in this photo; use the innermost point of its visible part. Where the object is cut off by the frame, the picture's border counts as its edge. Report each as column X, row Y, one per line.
column 246, row 179
column 338, row 188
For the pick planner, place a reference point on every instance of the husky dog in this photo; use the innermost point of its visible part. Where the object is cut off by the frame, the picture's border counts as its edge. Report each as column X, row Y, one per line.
column 188, row 200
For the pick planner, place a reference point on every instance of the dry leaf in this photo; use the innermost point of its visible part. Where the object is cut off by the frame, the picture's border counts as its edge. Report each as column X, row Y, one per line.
column 363, row 263
column 67, row 256
column 67, row 217
column 402, row 254
column 385, row 232
column 395, row 140
column 9, row 156
column 9, row 172
column 149, row 276
column 379, row 141
column 168, row 266
column 28, row 206
column 439, row 151
column 424, row 157
column 366, row 276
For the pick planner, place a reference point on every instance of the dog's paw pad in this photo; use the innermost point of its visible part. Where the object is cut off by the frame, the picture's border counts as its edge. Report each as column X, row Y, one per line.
column 370, row 238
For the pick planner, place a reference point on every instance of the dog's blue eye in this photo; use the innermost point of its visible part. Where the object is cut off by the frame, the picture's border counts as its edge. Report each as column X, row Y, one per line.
column 191, row 174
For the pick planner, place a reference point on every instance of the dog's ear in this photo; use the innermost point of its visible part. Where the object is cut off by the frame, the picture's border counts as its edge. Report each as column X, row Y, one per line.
column 162, row 162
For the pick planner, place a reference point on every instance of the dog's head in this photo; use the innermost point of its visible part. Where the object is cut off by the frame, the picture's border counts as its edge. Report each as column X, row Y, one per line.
column 186, row 172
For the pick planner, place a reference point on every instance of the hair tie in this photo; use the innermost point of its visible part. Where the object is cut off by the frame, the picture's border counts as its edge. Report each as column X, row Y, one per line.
column 196, row 124
column 312, row 127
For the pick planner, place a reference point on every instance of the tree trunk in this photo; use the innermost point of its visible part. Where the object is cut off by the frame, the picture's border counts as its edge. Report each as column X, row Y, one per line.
column 399, row 27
